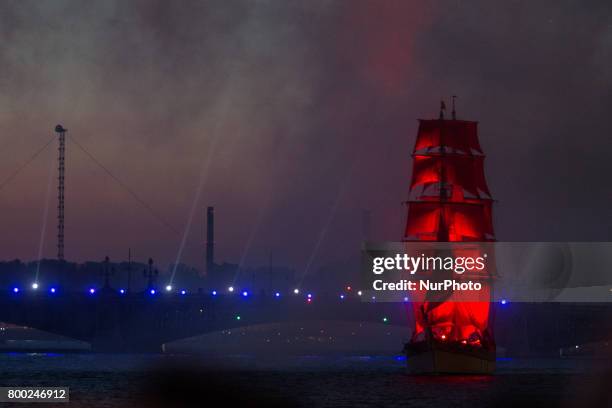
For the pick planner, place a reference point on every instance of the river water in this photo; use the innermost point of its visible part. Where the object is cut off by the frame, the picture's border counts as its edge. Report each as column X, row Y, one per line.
column 119, row 380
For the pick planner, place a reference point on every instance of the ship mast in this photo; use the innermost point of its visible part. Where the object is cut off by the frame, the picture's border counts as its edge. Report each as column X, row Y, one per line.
column 442, row 193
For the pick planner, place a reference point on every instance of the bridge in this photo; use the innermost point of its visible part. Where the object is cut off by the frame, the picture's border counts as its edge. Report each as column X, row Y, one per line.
column 112, row 321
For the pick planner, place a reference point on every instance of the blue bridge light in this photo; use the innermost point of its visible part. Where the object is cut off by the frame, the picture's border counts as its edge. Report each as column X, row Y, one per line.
column 152, row 291
column 214, row 293
column 122, row 291
column 503, row 301
column 92, row 291
column 342, row 296
column 52, row 290
column 15, row 290
column 183, row 292
column 245, row 293
column 277, row 294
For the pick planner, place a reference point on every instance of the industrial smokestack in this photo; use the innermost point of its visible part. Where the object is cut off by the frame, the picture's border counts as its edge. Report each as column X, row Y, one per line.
column 210, row 239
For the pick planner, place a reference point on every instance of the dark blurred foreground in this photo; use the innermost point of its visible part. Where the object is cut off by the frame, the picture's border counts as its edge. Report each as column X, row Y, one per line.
column 191, row 387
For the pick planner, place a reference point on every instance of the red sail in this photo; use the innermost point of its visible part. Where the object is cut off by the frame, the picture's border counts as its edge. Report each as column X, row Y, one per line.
column 449, row 160
column 455, row 134
column 465, row 221
column 466, row 172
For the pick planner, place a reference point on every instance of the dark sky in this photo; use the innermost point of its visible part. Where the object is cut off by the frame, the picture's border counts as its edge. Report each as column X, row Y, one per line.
column 292, row 117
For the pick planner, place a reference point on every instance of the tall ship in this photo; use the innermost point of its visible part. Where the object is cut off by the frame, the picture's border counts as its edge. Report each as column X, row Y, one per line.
column 450, row 201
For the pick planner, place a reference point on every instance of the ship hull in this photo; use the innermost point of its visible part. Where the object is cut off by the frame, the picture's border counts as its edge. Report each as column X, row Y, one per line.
column 446, row 360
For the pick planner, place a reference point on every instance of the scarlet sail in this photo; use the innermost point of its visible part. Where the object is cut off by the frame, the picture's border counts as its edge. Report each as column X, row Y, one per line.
column 450, row 202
